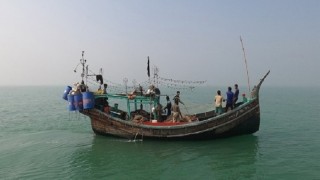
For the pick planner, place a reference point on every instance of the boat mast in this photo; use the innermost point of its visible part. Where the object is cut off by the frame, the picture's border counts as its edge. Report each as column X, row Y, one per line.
column 82, row 62
column 245, row 60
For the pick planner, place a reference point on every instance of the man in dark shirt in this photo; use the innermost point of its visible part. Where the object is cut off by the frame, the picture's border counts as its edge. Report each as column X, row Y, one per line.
column 236, row 94
column 177, row 98
column 229, row 99
column 168, row 106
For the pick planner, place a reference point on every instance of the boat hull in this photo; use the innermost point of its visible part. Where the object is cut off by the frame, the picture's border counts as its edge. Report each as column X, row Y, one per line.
column 242, row 120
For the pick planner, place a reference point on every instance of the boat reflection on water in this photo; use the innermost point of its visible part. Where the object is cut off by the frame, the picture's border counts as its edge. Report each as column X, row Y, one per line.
column 110, row 157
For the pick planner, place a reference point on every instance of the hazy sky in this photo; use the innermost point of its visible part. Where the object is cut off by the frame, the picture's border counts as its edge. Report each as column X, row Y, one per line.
column 41, row 40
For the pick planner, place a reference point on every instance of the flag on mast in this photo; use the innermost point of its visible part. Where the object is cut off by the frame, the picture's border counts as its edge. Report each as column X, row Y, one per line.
column 148, row 68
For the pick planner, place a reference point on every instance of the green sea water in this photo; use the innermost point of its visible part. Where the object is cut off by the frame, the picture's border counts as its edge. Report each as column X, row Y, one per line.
column 40, row 139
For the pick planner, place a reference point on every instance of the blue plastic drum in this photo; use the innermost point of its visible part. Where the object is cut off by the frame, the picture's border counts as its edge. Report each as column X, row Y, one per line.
column 71, row 106
column 78, row 101
column 66, row 92
column 88, row 100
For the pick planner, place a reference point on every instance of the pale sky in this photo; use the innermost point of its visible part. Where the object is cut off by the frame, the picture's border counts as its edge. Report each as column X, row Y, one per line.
column 41, row 40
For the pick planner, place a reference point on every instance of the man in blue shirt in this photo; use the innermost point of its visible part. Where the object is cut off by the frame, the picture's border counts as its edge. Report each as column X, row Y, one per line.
column 229, row 103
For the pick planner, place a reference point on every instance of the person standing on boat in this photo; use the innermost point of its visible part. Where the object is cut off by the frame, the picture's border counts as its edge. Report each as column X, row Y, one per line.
column 168, row 106
column 177, row 98
column 175, row 108
column 157, row 94
column 236, row 94
column 105, row 86
column 230, row 96
column 176, row 113
column 158, row 112
column 218, row 102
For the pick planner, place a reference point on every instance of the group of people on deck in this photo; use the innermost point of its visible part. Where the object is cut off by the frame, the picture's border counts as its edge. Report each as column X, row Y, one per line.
column 231, row 102
column 170, row 109
column 175, row 109
column 232, row 98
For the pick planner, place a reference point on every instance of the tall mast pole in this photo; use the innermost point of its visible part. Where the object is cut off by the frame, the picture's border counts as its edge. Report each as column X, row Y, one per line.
column 245, row 60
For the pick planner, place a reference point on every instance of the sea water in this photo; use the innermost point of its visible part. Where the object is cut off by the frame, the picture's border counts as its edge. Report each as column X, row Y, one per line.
column 40, row 139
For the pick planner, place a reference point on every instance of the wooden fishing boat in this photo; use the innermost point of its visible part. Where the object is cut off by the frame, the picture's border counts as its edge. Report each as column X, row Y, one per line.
column 111, row 120
column 244, row 119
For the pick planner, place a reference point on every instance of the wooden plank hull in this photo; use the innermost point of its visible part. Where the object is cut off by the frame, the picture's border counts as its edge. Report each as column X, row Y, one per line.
column 242, row 120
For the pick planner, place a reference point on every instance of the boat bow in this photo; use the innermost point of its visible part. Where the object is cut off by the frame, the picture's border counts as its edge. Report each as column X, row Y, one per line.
column 256, row 89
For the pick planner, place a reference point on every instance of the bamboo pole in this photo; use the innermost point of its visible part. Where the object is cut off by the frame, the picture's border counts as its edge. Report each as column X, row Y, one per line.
column 245, row 60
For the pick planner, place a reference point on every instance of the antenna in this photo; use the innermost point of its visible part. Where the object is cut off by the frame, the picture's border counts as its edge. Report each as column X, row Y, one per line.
column 83, row 62
column 245, row 60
